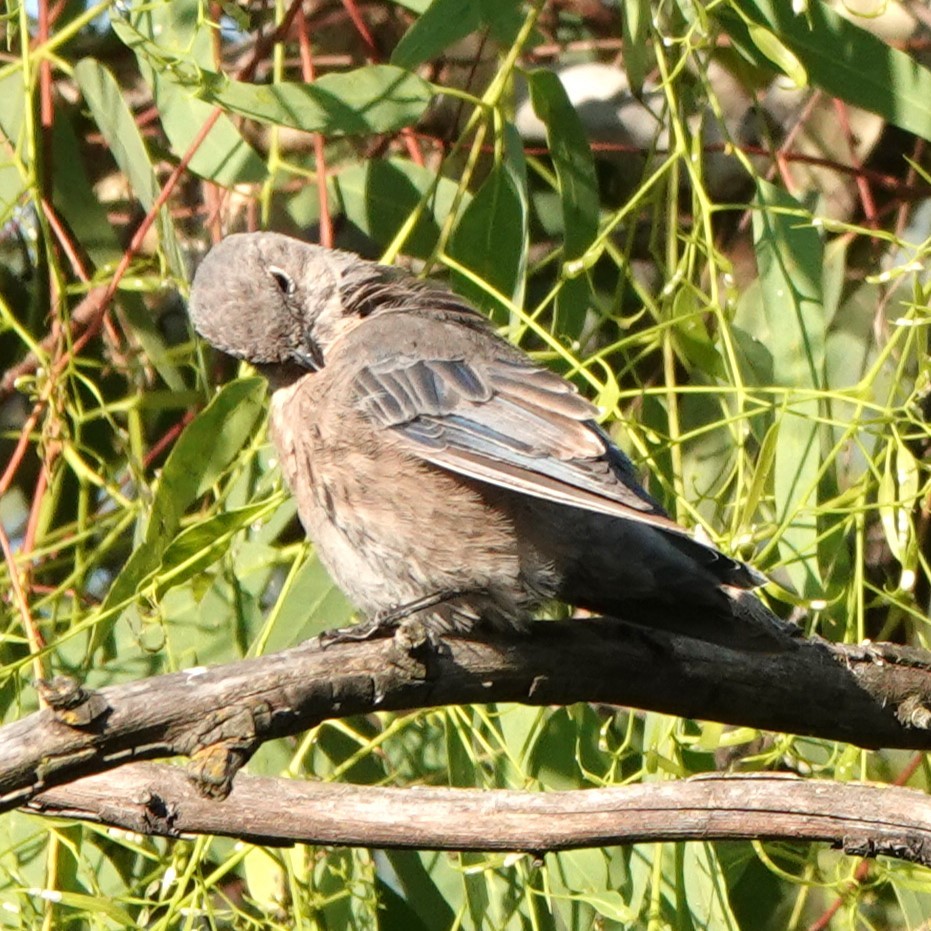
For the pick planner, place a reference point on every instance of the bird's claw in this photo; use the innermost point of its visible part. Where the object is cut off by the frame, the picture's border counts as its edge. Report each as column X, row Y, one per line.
column 382, row 623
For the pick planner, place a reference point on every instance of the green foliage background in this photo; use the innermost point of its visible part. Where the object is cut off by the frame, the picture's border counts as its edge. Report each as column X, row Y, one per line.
column 759, row 351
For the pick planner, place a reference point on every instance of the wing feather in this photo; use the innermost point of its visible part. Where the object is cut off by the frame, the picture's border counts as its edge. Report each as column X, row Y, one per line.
column 511, row 424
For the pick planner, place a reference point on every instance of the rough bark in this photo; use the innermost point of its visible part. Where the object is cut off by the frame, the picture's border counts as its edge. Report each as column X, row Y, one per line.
column 872, row 696
column 863, row 820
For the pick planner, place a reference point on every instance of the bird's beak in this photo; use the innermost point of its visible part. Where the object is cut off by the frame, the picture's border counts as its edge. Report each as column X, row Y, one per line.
column 309, row 356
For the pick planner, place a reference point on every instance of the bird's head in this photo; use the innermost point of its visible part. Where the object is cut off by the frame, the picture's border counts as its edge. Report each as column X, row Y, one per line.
column 270, row 299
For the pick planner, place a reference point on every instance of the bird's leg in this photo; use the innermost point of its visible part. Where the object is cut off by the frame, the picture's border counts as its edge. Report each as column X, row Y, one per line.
column 385, row 622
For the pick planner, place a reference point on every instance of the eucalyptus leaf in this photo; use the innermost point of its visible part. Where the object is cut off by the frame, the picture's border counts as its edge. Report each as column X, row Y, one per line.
column 12, row 167
column 838, row 57
column 578, row 191
column 381, row 196
column 706, row 889
column 635, row 28
column 369, row 100
column 789, row 255
column 118, row 127
column 206, row 448
column 199, row 546
column 490, row 238
column 222, row 155
column 441, row 24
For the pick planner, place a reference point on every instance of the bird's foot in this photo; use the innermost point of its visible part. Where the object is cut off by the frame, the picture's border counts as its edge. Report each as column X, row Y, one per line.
column 382, row 623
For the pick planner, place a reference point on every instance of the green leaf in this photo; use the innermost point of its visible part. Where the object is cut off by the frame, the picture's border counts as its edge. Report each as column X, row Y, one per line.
column 12, row 186
column 13, row 94
column 395, row 913
column 90, row 905
column 118, row 127
column 75, row 199
column 491, row 237
column 504, row 19
column 761, row 472
column 369, row 100
column 578, row 192
column 778, row 54
column 441, row 24
column 12, row 180
column 572, row 159
column 706, row 889
column 789, row 257
column 842, row 59
column 635, row 29
column 914, row 897
column 379, row 196
column 205, row 449
column 266, row 878
column 691, row 338
column 610, row 904
column 420, row 877
column 584, row 884
column 895, row 499
column 199, row 546
column 222, row 156
column 310, row 606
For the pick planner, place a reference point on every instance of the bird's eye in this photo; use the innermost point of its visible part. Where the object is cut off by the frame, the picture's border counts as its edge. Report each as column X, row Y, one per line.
column 282, row 279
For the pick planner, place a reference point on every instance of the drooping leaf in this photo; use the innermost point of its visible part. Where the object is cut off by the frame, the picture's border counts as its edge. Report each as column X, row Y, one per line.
column 578, row 192
column 789, row 257
column 491, row 237
column 777, row 52
column 12, row 169
column 118, row 127
column 441, row 24
column 706, row 889
column 77, row 202
column 635, row 28
column 840, row 58
column 310, row 605
column 572, row 159
column 373, row 99
column 222, row 156
column 199, row 546
column 205, row 449
column 380, row 196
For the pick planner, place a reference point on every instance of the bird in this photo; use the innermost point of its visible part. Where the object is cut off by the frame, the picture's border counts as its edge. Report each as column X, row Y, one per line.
column 439, row 470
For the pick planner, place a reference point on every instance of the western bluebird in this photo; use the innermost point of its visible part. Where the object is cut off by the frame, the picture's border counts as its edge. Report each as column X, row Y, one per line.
column 435, row 463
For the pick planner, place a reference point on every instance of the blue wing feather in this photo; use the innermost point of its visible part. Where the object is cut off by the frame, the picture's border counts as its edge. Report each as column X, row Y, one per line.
column 508, row 423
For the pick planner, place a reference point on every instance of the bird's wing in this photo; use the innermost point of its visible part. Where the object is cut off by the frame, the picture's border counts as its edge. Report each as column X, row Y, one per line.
column 508, row 423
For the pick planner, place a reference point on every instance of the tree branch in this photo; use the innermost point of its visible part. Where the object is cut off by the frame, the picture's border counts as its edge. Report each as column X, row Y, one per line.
column 863, row 820
column 875, row 696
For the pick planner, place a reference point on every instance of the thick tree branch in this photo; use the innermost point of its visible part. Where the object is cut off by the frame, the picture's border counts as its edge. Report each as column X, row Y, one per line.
column 863, row 820
column 874, row 696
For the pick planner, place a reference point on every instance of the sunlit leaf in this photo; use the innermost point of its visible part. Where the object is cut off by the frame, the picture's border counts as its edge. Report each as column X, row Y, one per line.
column 222, row 155
column 203, row 451
column 844, row 60
column 789, row 255
column 441, row 24
column 116, row 123
column 490, row 238
column 380, row 197
column 374, row 99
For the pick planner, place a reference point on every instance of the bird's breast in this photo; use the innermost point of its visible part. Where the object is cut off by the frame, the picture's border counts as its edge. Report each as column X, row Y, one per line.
column 389, row 526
